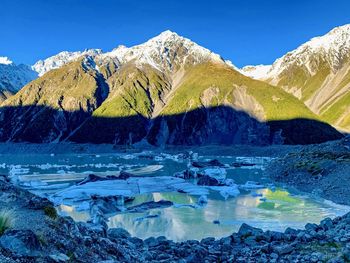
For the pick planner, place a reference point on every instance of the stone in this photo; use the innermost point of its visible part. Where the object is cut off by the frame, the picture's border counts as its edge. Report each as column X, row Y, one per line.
column 21, row 243
column 247, row 230
column 208, row 181
column 207, row 240
column 151, row 242
column 118, row 233
column 326, row 223
column 59, row 257
column 311, row 227
column 283, row 250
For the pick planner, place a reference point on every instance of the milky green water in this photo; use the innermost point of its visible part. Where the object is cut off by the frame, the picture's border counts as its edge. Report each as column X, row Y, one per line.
column 271, row 207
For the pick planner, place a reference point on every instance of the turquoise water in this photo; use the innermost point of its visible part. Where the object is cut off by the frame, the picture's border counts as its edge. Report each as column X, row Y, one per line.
column 271, row 207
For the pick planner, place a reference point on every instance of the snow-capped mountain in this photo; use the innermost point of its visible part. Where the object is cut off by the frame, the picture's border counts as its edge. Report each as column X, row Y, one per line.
column 318, row 73
column 13, row 77
column 62, row 58
column 5, row 61
column 332, row 48
column 168, row 90
column 256, row 72
column 165, row 52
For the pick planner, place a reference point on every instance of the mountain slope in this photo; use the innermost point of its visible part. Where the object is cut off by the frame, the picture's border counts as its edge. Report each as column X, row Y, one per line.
column 212, row 103
column 168, row 90
column 13, row 77
column 318, row 73
column 49, row 108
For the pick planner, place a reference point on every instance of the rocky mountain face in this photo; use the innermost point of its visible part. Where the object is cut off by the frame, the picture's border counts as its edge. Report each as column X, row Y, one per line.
column 13, row 77
column 168, row 90
column 317, row 73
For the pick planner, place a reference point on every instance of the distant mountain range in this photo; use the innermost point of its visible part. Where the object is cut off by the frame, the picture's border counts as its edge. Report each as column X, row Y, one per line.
column 170, row 90
column 317, row 73
column 13, row 77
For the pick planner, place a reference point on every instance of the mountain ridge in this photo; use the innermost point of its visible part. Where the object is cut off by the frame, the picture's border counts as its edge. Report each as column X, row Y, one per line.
column 317, row 73
column 168, row 90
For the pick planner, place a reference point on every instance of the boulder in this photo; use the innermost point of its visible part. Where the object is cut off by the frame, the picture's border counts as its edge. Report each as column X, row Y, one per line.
column 21, row 243
column 247, row 230
column 118, row 233
column 59, row 257
column 283, row 249
column 207, row 180
column 326, row 223
column 217, row 173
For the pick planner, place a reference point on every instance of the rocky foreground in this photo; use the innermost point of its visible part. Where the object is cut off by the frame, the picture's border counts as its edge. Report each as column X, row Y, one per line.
column 38, row 234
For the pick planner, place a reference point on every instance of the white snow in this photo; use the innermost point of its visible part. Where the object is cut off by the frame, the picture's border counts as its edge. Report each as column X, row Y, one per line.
column 333, row 47
column 256, row 72
column 62, row 58
column 5, row 61
column 159, row 52
column 13, row 77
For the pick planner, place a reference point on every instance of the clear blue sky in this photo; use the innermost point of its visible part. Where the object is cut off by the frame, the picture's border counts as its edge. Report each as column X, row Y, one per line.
column 244, row 31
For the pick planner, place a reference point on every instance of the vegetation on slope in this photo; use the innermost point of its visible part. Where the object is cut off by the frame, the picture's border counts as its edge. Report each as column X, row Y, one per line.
column 276, row 103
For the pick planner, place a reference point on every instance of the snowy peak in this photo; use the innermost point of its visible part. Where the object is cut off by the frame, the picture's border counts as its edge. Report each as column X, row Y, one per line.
column 256, row 72
column 5, row 61
column 166, row 52
column 13, row 77
column 62, row 58
column 333, row 48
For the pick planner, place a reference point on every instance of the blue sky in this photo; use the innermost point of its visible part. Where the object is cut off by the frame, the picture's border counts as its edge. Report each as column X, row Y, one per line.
column 244, row 31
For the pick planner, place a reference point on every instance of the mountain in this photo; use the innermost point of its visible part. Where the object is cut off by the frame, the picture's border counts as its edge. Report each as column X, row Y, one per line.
column 168, row 90
column 62, row 58
column 13, row 77
column 318, row 73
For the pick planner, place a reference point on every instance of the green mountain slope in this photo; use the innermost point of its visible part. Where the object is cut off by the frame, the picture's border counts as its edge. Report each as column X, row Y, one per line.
column 168, row 90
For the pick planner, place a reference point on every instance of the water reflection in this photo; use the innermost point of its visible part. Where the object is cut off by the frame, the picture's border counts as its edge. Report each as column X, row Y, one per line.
column 279, row 211
column 268, row 208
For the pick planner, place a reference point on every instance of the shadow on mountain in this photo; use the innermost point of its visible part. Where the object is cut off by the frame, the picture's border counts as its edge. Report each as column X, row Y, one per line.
column 215, row 125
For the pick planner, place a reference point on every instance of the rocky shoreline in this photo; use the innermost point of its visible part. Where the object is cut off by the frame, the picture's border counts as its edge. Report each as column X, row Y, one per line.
column 320, row 169
column 40, row 235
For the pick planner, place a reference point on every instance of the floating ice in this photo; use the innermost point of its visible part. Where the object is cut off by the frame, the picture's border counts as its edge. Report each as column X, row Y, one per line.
column 251, row 185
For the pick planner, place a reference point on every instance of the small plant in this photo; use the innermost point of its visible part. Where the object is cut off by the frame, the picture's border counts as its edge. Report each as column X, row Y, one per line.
column 42, row 239
column 51, row 212
column 6, row 220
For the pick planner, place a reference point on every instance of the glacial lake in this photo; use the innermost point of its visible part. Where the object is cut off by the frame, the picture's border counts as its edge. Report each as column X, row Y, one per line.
column 270, row 207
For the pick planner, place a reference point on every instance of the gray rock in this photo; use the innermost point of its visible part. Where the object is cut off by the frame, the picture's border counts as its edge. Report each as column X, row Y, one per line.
column 283, row 250
column 247, row 230
column 326, row 223
column 151, row 242
column 118, row 233
column 346, row 253
column 207, row 180
column 59, row 257
column 311, row 227
column 21, row 243
column 207, row 240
